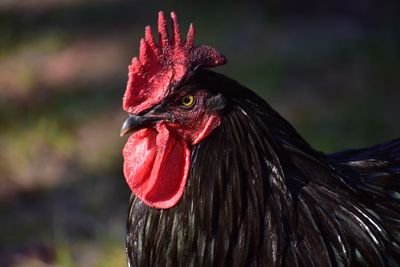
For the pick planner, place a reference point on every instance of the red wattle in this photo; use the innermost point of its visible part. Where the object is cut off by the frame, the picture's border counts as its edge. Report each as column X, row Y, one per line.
column 156, row 166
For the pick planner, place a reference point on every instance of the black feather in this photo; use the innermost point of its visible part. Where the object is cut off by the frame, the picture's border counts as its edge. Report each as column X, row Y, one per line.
column 259, row 195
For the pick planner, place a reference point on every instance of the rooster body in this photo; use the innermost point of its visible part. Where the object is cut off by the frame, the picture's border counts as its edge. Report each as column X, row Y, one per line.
column 255, row 192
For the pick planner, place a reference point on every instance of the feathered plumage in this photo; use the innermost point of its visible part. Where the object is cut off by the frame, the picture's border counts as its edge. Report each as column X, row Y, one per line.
column 258, row 195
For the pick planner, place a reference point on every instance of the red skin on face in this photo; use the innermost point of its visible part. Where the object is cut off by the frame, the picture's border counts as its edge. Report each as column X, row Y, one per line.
column 157, row 161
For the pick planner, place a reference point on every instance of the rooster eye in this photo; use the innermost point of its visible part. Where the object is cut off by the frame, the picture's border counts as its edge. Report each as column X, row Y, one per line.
column 188, row 100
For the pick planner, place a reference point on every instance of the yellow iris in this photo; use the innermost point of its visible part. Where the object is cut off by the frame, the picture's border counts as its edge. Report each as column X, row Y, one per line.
column 188, row 100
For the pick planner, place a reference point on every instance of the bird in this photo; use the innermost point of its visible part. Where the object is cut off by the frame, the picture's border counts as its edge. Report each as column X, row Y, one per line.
column 219, row 178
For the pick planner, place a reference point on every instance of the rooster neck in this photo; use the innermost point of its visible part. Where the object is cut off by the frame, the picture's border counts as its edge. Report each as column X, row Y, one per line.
column 259, row 195
column 236, row 191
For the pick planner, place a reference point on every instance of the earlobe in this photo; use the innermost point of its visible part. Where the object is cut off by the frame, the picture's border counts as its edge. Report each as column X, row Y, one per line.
column 213, row 122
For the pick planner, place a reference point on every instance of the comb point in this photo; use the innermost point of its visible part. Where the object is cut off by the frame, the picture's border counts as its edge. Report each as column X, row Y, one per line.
column 135, row 65
column 190, row 35
column 143, row 52
column 162, row 30
column 148, row 36
column 176, row 38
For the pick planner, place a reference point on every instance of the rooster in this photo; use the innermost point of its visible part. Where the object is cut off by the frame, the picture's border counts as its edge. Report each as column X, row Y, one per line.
column 221, row 179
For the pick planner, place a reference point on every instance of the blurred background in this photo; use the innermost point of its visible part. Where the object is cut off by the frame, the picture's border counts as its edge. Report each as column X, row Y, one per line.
column 330, row 67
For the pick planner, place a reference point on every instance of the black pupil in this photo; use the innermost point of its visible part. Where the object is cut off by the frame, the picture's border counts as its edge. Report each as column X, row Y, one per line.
column 186, row 100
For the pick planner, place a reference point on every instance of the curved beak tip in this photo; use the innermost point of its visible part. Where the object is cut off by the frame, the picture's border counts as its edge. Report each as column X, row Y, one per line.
column 122, row 133
column 126, row 127
column 134, row 122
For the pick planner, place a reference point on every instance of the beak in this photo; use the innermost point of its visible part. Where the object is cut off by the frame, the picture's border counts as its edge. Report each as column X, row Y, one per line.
column 134, row 123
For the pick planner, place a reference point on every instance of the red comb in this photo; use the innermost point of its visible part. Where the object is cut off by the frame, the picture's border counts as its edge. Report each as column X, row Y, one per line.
column 161, row 66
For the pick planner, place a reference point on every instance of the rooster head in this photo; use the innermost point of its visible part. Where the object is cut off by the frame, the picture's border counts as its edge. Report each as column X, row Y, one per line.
column 167, row 115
